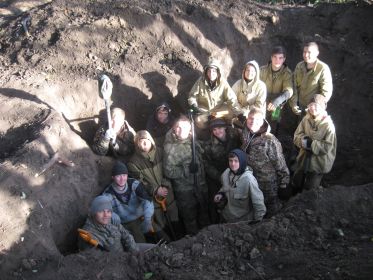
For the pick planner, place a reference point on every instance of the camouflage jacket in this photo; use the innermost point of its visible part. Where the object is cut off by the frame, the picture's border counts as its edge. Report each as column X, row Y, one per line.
column 308, row 83
column 265, row 157
column 177, row 157
column 124, row 145
column 324, row 143
column 216, row 153
column 279, row 84
column 110, row 237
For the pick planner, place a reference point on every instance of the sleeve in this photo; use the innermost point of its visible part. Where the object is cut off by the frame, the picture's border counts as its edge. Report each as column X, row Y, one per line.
column 172, row 169
column 100, row 145
column 299, row 133
column 210, row 169
column 231, row 98
column 326, row 145
column 125, row 146
column 288, row 86
column 257, row 200
column 278, row 162
column 326, row 83
column 293, row 101
column 260, row 101
column 192, row 100
column 135, row 172
column 128, row 242
column 148, row 205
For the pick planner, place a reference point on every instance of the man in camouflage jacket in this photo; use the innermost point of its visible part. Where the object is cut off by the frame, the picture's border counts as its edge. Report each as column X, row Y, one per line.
column 265, row 157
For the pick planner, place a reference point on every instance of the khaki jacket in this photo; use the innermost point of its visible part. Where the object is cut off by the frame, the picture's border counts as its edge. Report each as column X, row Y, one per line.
column 324, row 143
column 245, row 199
column 250, row 95
column 278, row 83
column 308, row 83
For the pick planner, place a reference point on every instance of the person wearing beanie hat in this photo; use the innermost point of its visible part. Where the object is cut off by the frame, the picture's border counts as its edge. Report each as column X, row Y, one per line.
column 116, row 137
column 109, row 237
column 311, row 76
column 245, row 201
column 223, row 139
column 316, row 139
column 251, row 92
column 211, row 94
column 160, row 122
column 131, row 204
column 146, row 165
column 265, row 157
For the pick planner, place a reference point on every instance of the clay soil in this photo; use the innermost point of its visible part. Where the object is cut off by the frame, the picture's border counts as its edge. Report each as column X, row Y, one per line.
column 153, row 51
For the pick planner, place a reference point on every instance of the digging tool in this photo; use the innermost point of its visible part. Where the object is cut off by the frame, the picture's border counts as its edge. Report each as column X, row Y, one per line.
column 56, row 158
column 162, row 201
column 306, row 167
column 87, row 237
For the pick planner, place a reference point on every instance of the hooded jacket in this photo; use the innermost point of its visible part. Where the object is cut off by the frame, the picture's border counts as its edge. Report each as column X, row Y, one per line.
column 250, row 94
column 265, row 157
column 324, row 143
column 245, row 201
column 148, row 169
column 208, row 98
column 279, row 83
column 158, row 130
column 307, row 83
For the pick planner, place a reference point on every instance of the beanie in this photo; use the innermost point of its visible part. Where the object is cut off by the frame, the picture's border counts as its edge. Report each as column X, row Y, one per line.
column 119, row 168
column 100, row 203
column 217, row 123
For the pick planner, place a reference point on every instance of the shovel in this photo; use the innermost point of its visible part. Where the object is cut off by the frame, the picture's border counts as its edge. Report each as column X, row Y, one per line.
column 162, row 202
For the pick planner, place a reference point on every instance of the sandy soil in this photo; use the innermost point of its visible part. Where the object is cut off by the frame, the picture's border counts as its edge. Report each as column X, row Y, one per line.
column 152, row 51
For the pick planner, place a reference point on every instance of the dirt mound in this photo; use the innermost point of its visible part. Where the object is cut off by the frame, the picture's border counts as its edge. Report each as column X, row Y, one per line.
column 152, row 51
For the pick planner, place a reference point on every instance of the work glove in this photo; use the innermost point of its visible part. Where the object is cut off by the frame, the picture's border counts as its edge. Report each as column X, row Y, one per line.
column 193, row 168
column 106, row 87
column 284, row 192
column 296, row 110
column 306, row 143
column 147, row 226
column 110, row 134
column 115, row 219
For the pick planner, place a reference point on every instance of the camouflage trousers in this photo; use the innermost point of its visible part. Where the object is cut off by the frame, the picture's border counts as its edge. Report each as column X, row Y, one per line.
column 271, row 199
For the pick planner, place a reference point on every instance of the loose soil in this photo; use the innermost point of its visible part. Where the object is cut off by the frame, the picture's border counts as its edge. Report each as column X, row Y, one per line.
column 153, row 51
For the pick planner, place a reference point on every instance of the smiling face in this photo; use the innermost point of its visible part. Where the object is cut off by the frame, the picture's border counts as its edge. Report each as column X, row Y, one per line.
column 254, row 122
column 250, row 72
column 310, row 54
column 212, row 74
column 219, row 132
column 234, row 163
column 120, row 181
column 103, row 217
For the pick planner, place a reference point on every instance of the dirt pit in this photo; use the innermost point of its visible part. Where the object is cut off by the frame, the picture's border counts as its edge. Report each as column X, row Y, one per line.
column 153, row 51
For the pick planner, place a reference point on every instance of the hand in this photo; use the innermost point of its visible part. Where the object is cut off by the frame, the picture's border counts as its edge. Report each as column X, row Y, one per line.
column 110, row 134
column 162, row 191
column 296, row 110
column 193, row 168
column 115, row 219
column 271, row 107
column 217, row 197
column 306, row 143
column 147, row 226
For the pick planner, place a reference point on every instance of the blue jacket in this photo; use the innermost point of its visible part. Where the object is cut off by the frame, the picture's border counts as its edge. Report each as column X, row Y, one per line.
column 133, row 204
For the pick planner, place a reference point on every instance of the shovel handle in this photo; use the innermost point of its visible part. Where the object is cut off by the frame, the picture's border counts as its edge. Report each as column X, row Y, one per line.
column 87, row 237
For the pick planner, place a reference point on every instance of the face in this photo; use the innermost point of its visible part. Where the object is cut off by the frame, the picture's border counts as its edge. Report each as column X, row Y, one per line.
column 120, row 180
column 144, row 145
column 254, row 122
column 277, row 61
column 315, row 109
column 250, row 72
column 234, row 164
column 310, row 54
column 219, row 132
column 162, row 116
column 182, row 130
column 117, row 123
column 103, row 217
column 212, row 74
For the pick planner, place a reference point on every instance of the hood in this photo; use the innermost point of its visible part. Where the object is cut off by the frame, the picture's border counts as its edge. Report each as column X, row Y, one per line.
column 212, row 63
column 143, row 134
column 242, row 157
column 256, row 66
column 163, row 104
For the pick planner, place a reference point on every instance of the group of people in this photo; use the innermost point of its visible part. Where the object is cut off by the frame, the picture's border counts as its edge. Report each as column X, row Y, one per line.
column 174, row 183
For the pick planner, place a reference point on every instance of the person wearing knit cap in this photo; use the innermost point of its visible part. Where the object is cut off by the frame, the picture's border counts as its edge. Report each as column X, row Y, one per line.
column 131, row 204
column 311, row 76
column 160, row 122
column 316, row 139
column 115, row 138
column 110, row 237
column 223, row 139
column 251, row 92
column 245, row 201
column 146, row 166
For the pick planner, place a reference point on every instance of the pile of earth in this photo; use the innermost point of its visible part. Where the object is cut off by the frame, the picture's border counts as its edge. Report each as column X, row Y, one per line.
column 154, row 51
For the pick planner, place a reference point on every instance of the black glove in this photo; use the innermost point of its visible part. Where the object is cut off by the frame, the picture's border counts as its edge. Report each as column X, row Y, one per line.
column 285, row 193
column 309, row 142
column 193, row 167
column 241, row 118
